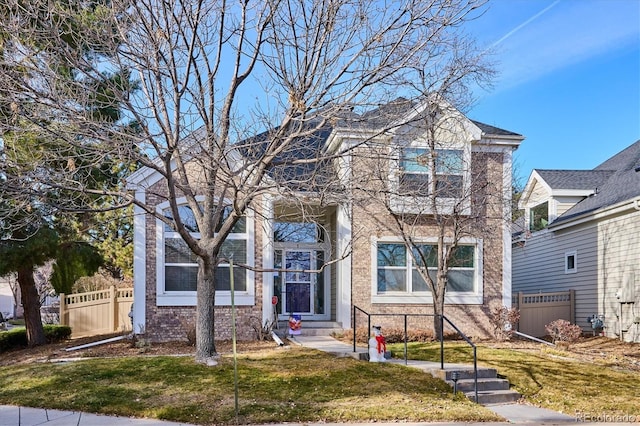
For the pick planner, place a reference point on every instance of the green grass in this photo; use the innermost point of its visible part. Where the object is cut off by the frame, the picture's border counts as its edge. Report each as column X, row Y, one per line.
column 547, row 378
column 292, row 385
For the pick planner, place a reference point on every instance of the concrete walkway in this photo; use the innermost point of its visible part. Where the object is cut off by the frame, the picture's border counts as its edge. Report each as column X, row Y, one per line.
column 513, row 413
column 24, row 416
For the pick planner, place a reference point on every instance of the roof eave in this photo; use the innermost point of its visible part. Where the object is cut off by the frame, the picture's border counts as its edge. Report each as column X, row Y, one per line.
column 629, row 204
column 513, row 141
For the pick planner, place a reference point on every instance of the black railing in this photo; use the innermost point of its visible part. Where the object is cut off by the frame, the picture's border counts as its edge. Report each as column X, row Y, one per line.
column 406, row 352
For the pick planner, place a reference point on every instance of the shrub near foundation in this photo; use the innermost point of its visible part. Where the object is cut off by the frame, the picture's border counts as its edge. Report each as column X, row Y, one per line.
column 395, row 335
column 17, row 337
column 562, row 331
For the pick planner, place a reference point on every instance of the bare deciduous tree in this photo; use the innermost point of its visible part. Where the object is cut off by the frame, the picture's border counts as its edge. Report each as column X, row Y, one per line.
column 196, row 80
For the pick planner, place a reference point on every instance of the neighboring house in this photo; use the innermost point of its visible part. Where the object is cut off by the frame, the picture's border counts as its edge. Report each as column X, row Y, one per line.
column 11, row 304
column 275, row 235
column 582, row 233
column 6, row 298
column 8, row 306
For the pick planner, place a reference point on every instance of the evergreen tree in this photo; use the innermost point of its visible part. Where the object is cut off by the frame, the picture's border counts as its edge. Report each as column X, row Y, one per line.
column 42, row 221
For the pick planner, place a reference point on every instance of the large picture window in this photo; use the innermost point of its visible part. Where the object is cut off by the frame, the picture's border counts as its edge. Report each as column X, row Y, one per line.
column 398, row 272
column 178, row 266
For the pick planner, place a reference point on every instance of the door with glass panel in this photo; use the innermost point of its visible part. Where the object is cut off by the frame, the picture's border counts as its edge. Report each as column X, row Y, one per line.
column 301, row 284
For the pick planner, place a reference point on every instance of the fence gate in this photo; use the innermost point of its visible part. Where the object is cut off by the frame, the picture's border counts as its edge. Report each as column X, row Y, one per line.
column 539, row 309
column 97, row 312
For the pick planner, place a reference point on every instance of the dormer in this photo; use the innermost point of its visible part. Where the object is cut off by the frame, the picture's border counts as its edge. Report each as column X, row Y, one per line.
column 550, row 193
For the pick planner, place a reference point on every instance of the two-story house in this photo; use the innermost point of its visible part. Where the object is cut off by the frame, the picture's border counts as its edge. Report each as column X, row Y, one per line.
column 582, row 233
column 331, row 228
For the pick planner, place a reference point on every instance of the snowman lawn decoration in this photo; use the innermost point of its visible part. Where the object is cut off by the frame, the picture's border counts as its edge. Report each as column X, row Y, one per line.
column 377, row 345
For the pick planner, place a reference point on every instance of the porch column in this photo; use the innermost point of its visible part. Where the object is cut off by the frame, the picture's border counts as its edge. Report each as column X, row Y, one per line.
column 267, row 258
column 343, row 267
column 139, row 266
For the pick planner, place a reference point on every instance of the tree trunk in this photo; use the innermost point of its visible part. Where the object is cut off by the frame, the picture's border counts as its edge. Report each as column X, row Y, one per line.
column 438, row 306
column 31, row 304
column 205, row 311
column 438, row 311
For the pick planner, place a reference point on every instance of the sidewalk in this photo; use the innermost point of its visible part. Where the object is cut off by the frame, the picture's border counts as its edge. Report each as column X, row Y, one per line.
column 24, row 416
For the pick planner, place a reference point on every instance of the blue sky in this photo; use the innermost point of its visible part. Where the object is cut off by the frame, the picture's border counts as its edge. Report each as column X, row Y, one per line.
column 569, row 79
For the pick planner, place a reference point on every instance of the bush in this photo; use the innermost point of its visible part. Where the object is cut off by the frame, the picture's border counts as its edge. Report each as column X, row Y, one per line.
column 563, row 331
column 504, row 321
column 56, row 333
column 17, row 337
column 396, row 335
column 14, row 338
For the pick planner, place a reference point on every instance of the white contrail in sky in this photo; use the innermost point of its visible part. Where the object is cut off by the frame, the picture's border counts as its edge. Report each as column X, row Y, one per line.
column 525, row 23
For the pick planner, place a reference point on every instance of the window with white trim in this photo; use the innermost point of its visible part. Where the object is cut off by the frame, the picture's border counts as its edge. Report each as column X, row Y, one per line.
column 414, row 172
column 397, row 272
column 179, row 265
column 571, row 262
column 539, row 216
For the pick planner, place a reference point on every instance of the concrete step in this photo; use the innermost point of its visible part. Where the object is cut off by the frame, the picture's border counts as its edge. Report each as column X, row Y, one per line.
column 491, row 389
column 467, row 385
column 313, row 328
column 494, row 397
column 465, row 373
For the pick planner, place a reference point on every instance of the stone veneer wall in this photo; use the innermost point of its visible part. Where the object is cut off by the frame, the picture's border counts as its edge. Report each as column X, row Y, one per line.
column 473, row 320
column 170, row 323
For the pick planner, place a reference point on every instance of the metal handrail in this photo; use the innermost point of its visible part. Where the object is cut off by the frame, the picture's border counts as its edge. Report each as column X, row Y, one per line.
column 442, row 320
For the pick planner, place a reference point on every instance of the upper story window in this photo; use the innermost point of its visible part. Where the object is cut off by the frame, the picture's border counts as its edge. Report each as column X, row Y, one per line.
column 449, row 173
column 539, row 216
column 415, row 172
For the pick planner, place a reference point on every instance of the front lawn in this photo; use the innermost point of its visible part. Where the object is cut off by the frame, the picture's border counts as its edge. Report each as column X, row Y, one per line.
column 550, row 378
column 284, row 385
column 299, row 385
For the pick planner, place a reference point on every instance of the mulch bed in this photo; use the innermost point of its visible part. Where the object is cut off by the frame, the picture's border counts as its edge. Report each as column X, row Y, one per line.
column 121, row 348
column 610, row 352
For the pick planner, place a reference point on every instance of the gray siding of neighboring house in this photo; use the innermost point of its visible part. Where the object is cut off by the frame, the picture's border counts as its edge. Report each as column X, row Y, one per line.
column 539, row 267
column 619, row 267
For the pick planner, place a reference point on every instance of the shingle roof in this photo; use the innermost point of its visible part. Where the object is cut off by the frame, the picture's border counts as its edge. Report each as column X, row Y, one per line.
column 312, row 171
column 574, row 179
column 492, row 130
column 623, row 183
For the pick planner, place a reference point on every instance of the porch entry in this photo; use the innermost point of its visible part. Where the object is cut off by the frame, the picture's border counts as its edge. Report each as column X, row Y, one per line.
column 299, row 290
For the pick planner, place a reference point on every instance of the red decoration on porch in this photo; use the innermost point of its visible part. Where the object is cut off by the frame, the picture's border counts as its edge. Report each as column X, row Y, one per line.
column 274, row 300
column 295, row 324
column 377, row 345
column 382, row 344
